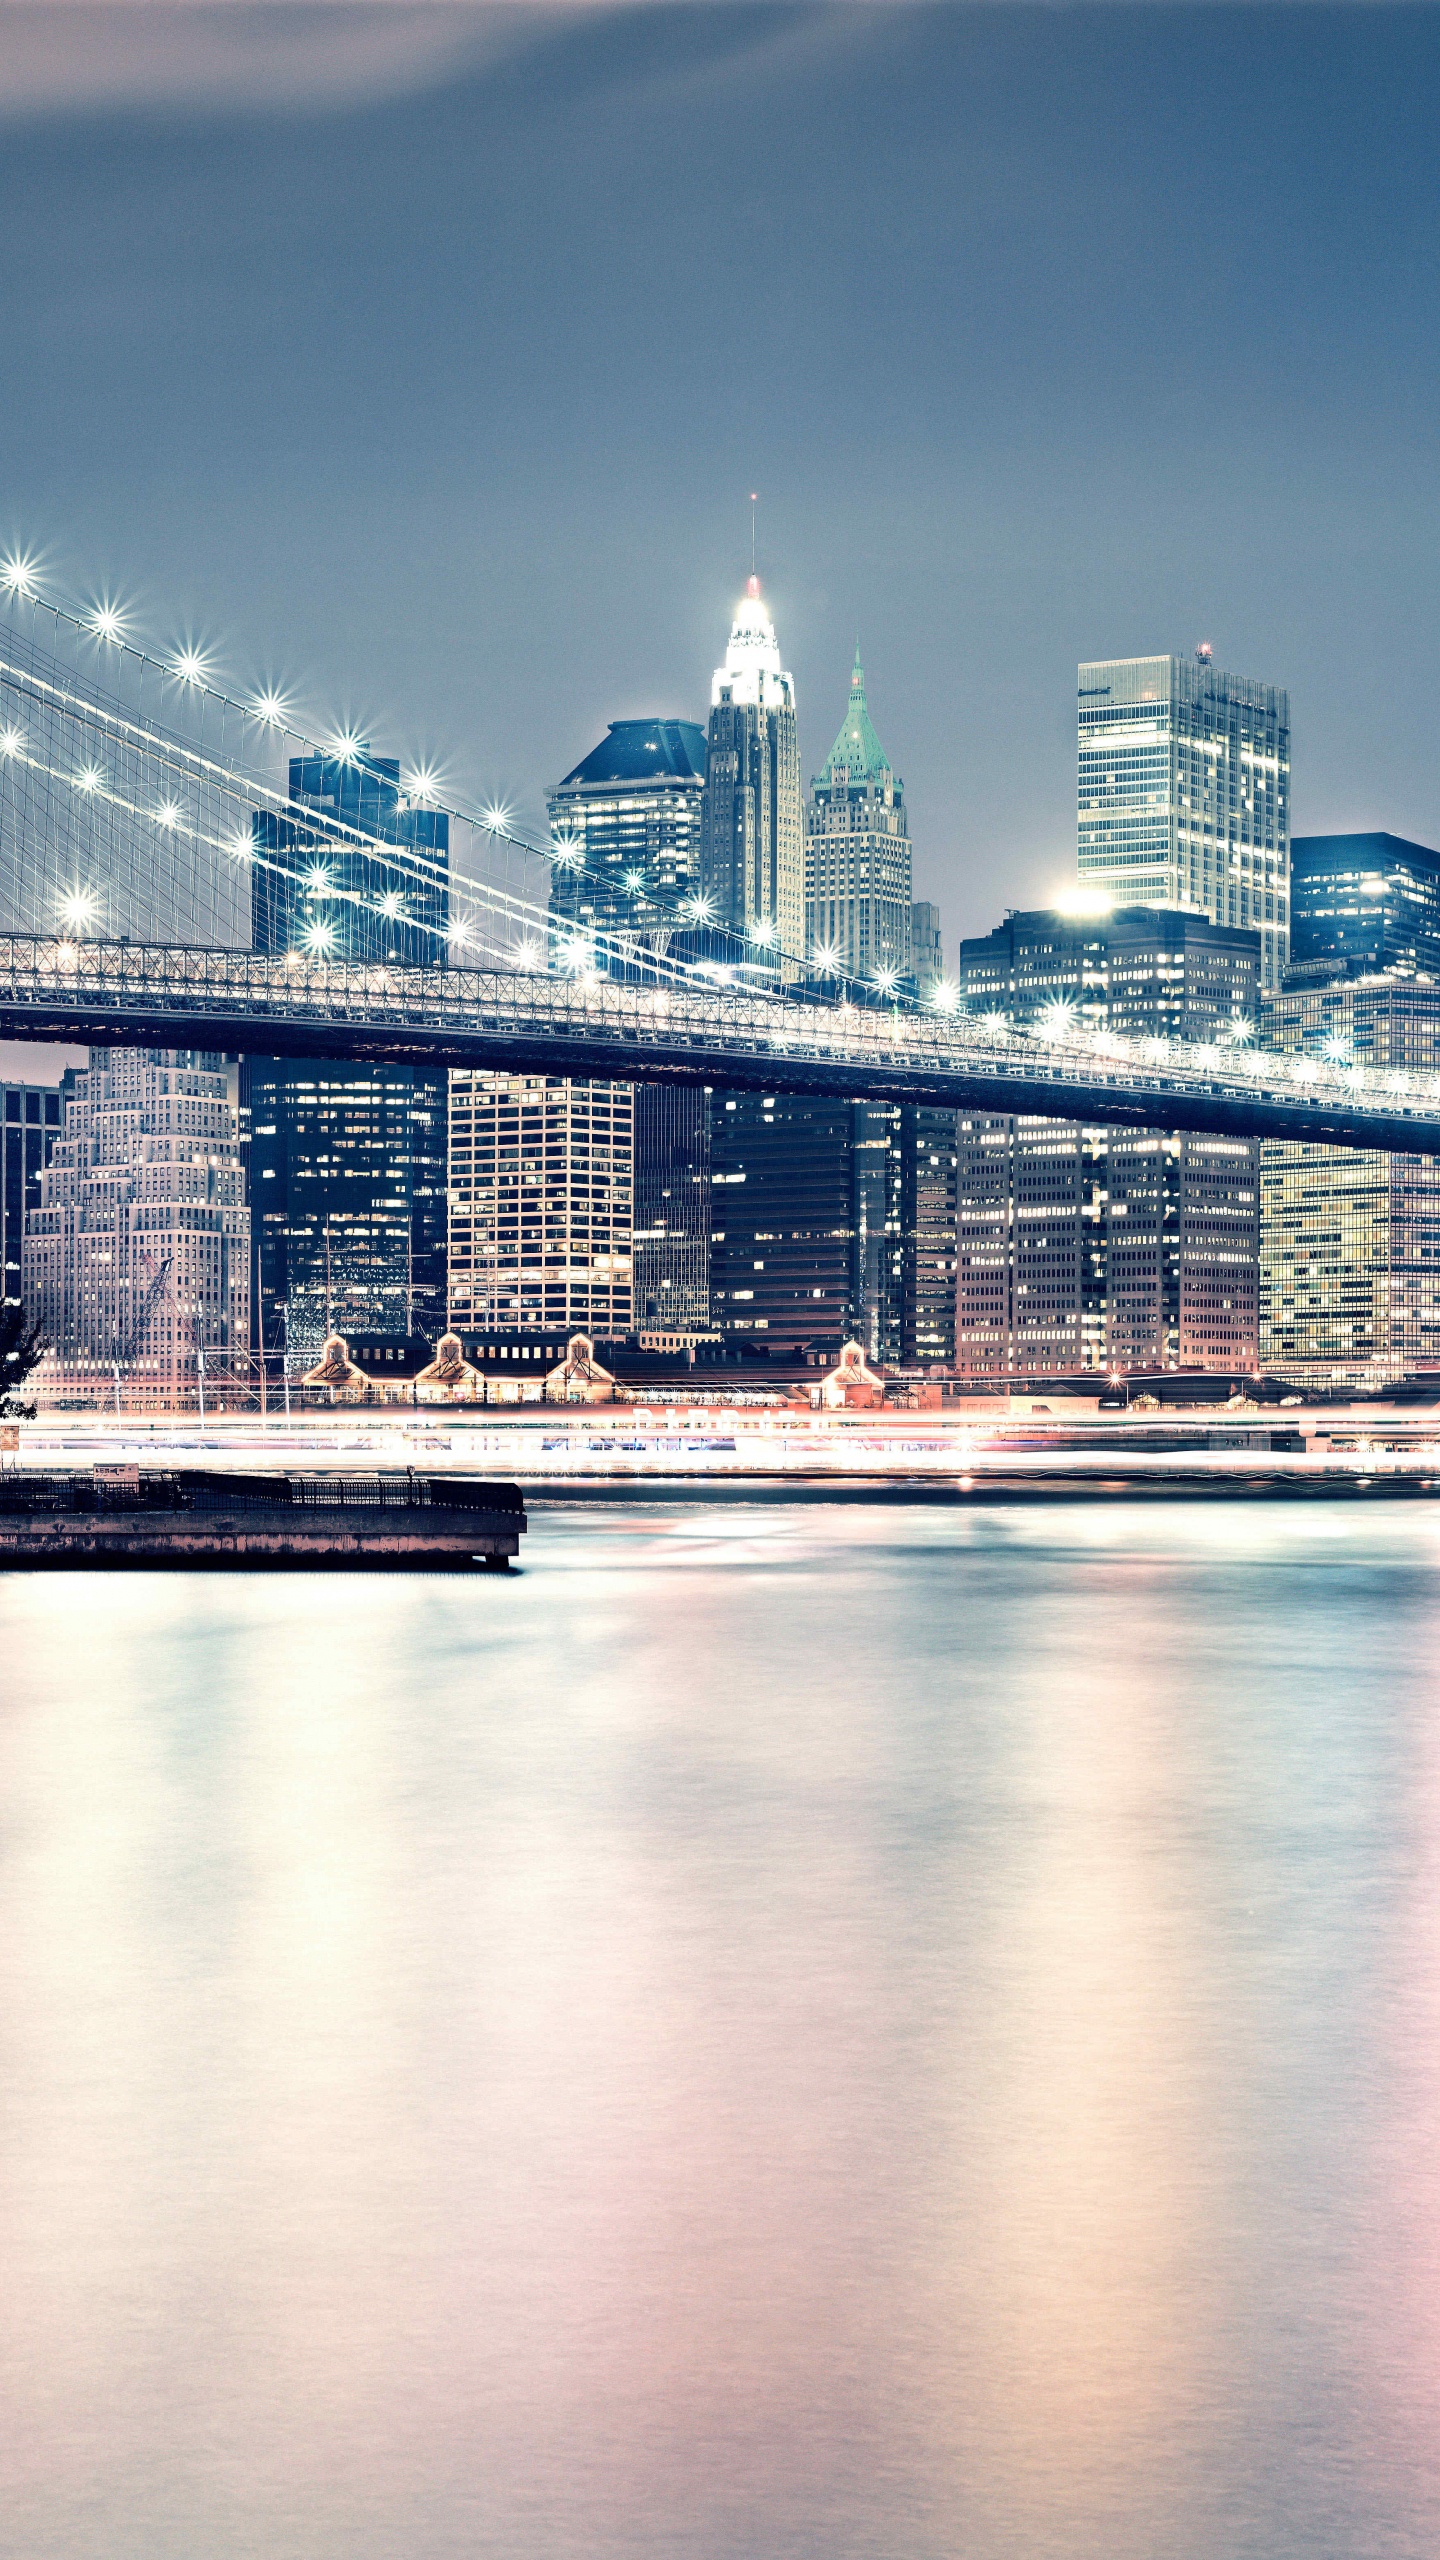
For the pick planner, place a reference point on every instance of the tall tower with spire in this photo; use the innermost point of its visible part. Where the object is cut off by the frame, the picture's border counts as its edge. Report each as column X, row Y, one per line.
column 858, row 873
column 752, row 844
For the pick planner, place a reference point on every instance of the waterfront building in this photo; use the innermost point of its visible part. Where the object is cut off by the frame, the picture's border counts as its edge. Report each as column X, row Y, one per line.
column 1350, row 1238
column 346, row 1162
column 1363, row 905
column 1105, row 1248
column 625, row 830
column 540, row 1205
column 800, row 1193
column 927, row 947
column 924, row 1274
column 858, row 878
column 30, row 1116
column 1184, row 794
column 752, row 845
column 136, row 1260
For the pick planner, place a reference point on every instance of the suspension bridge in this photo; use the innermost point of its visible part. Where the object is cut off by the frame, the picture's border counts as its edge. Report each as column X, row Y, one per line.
column 161, row 885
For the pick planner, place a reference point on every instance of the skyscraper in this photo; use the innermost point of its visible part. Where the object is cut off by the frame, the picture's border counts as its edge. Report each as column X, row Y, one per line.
column 800, row 1195
column 541, row 1206
column 625, row 825
column 752, row 848
column 1362, row 904
column 927, row 948
column 137, row 1257
column 1093, row 1248
column 858, row 879
column 1184, row 794
column 346, row 1171
column 672, row 1210
column 29, row 1126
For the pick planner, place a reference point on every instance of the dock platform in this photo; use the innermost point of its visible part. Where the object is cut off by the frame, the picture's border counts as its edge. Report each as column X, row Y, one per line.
column 207, row 1518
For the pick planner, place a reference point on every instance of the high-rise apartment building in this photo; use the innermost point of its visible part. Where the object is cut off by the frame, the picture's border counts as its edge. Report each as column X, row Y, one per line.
column 29, row 1127
column 858, row 879
column 346, row 1163
column 625, row 829
column 1362, row 905
column 1350, row 1238
column 1184, row 794
column 1095, row 1248
column 752, row 847
column 136, row 1261
column 541, row 1206
column 801, row 1191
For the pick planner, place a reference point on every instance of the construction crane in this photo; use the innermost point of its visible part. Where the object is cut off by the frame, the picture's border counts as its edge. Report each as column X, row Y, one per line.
column 125, row 1355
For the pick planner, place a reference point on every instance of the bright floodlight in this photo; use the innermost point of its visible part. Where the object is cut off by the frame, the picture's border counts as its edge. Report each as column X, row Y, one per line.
column 827, row 959
column 79, row 908
column 392, row 904
column 191, row 666
column 17, row 576
column 763, row 932
column 886, row 981
column 700, row 909
column 634, row 880
column 168, row 813
column 563, row 849
column 528, row 955
column 497, row 817
column 422, row 785
column 88, row 777
column 1337, row 1049
column 944, row 996
column 241, row 845
column 1241, row 1030
column 995, row 1021
column 9, row 742
column 272, row 709
column 460, row 932
column 107, row 623
column 347, row 746
column 1058, row 1018
column 317, row 880
column 1083, row 901
column 319, row 935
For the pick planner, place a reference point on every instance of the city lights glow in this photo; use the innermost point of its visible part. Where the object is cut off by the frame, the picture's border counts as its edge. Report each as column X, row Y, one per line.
column 1083, row 901
column 421, row 784
column 347, row 745
column 191, row 666
column 89, row 778
column 762, row 932
column 319, row 936
column 106, row 623
column 886, row 981
column 827, row 959
column 168, row 813
column 700, row 909
column 565, row 850
column 945, row 997
column 996, row 1022
column 1058, row 1018
column 272, row 709
column 392, row 904
column 9, row 742
column 497, row 817
column 79, row 907
column 317, row 880
column 17, row 577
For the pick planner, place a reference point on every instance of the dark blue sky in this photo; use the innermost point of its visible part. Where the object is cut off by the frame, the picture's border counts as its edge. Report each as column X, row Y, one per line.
column 1044, row 333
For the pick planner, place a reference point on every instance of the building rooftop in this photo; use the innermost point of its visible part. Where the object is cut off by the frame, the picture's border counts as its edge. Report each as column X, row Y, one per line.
column 645, row 751
column 857, row 748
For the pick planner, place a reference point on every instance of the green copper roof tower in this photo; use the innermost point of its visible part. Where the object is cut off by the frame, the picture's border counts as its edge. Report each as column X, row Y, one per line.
column 858, row 880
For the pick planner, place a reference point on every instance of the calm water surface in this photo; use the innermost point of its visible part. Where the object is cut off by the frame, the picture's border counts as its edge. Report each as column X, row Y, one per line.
column 874, row 2033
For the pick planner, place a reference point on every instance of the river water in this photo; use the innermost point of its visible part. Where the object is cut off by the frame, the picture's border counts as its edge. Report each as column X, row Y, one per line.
column 784, row 2030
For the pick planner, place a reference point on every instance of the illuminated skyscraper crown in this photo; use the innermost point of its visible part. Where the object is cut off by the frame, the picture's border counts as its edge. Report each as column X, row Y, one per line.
column 752, row 671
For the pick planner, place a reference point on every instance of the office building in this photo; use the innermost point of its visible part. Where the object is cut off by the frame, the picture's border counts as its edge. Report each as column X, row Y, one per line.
column 1184, row 794
column 671, row 1276
column 625, row 830
column 346, row 1162
column 136, row 1260
column 29, row 1126
column 1105, row 1248
column 927, row 947
column 541, row 1205
column 1350, row 1239
column 1362, row 906
column 858, row 910
column 800, row 1192
column 922, row 1231
column 752, row 845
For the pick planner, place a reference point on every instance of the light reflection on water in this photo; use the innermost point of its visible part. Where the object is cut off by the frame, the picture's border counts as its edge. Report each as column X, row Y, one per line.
column 788, row 2030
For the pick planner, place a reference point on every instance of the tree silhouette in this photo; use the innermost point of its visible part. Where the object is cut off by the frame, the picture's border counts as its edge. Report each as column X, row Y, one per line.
column 21, row 1350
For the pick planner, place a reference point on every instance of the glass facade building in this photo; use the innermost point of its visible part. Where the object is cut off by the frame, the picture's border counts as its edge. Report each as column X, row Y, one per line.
column 346, row 1163
column 672, row 1211
column 858, row 872
column 625, row 830
column 1184, row 794
column 1350, row 1240
column 1362, row 905
column 1102, row 1248
column 541, row 1205
column 801, row 1195
column 927, row 946
column 29, row 1126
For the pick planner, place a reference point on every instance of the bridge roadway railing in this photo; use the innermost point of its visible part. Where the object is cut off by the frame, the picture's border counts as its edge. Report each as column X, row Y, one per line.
column 162, row 995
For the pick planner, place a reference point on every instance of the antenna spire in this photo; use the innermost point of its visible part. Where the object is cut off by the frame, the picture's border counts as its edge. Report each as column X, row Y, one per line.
column 754, row 502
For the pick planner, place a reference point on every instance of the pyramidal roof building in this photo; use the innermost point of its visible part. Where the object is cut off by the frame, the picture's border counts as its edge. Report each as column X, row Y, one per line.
column 752, row 860
column 858, row 868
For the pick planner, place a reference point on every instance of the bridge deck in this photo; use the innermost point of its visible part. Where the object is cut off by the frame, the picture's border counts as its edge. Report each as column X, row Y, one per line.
column 162, row 995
